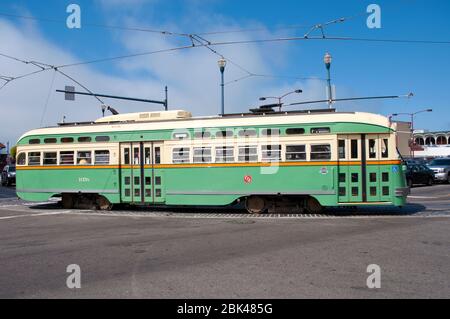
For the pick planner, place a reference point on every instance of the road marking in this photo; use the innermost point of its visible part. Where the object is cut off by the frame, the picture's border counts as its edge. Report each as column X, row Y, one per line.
column 423, row 197
column 31, row 215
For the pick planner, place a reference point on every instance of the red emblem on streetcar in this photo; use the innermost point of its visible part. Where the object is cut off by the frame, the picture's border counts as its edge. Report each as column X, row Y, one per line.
column 247, row 179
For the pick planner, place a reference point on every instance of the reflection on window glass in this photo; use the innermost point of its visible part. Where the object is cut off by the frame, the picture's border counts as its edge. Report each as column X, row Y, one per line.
column 295, row 153
column 372, row 149
column 354, row 148
column 21, row 159
column 126, row 156
column 384, row 148
column 136, row 156
column 147, row 157
column 157, row 155
column 341, row 148
column 321, row 152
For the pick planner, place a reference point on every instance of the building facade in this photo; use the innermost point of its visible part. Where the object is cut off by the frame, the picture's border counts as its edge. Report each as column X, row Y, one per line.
column 431, row 144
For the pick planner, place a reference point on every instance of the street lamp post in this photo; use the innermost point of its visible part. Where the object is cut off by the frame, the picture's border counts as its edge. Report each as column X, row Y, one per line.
column 327, row 60
column 279, row 98
column 412, row 126
column 222, row 63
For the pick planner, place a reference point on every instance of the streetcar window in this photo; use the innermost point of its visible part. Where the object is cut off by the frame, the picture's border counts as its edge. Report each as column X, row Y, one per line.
column 66, row 158
column 50, row 140
column 50, row 158
column 247, row 133
column 295, row 153
column 21, row 159
column 321, row 152
column 84, row 158
column 224, row 154
column 384, row 148
column 102, row 138
column 181, row 136
column 157, row 155
column 180, row 155
column 320, row 130
column 224, row 133
column 102, row 157
column 248, row 154
column 84, row 139
column 35, row 141
column 202, row 134
column 354, row 148
column 34, row 158
column 202, row 155
column 295, row 131
column 372, row 149
column 67, row 140
column 341, row 148
column 271, row 153
column 126, row 156
column 147, row 158
column 270, row 132
column 136, row 156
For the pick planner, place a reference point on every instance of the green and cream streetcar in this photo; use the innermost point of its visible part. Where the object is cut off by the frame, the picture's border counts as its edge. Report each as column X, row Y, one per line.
column 266, row 161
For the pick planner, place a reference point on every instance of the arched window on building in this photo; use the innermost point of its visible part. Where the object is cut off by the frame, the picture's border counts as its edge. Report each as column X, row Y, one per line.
column 430, row 140
column 441, row 140
column 420, row 141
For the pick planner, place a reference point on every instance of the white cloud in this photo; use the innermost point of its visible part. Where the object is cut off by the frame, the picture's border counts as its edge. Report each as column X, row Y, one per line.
column 192, row 76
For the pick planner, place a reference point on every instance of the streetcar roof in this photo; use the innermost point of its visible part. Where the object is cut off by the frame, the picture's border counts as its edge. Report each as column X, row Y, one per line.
column 114, row 124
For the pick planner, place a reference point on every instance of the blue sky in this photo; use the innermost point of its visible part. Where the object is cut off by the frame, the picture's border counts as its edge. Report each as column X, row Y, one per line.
column 358, row 69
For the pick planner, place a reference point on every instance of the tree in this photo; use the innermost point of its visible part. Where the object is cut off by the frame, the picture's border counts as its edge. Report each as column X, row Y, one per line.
column 13, row 151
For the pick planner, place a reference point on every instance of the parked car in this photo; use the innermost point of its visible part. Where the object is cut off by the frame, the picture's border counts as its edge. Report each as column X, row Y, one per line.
column 419, row 174
column 441, row 168
column 8, row 175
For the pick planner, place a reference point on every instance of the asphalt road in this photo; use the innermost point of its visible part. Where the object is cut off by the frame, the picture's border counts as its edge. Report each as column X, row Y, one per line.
column 163, row 254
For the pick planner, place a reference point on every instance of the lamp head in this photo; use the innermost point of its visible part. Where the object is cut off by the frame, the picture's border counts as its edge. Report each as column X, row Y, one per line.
column 222, row 63
column 327, row 59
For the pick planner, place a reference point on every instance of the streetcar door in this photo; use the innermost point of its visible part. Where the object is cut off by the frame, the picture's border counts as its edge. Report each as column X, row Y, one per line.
column 131, row 168
column 158, row 173
column 351, row 188
column 147, row 178
column 373, row 176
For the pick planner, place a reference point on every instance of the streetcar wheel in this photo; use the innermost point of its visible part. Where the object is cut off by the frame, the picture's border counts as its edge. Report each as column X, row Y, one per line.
column 313, row 206
column 255, row 205
column 67, row 201
column 103, row 203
